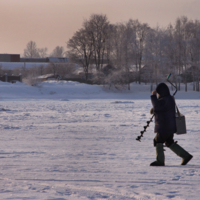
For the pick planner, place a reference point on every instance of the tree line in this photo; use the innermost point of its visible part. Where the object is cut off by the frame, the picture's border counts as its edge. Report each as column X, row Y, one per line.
column 32, row 51
column 134, row 51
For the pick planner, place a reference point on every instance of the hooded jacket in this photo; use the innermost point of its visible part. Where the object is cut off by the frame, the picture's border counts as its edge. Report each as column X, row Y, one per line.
column 164, row 109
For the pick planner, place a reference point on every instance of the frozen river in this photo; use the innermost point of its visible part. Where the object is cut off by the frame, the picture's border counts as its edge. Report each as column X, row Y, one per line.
column 86, row 149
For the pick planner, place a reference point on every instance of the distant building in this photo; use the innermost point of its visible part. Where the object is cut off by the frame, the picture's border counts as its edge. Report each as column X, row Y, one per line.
column 57, row 59
column 11, row 79
column 34, row 60
column 16, row 58
column 46, row 60
column 9, row 57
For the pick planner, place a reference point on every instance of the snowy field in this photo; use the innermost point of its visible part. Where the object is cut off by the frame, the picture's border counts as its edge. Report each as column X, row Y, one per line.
column 70, row 141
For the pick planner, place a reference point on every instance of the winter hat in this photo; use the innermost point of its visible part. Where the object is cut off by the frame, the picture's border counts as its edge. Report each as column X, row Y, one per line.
column 163, row 90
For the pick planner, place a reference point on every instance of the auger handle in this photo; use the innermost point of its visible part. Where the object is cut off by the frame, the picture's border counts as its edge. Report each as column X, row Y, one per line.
column 169, row 76
column 172, row 84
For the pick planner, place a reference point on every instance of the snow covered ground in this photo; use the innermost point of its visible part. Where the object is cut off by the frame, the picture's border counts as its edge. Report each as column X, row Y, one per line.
column 71, row 141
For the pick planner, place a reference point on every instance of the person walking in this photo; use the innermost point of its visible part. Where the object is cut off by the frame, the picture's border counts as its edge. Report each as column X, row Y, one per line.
column 165, row 125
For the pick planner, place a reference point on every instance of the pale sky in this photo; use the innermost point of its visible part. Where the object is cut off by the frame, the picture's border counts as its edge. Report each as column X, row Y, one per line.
column 52, row 23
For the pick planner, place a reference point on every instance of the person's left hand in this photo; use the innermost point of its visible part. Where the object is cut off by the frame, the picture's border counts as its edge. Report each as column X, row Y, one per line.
column 152, row 111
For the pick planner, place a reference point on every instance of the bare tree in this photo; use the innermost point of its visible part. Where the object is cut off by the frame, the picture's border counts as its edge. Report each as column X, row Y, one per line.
column 31, row 50
column 141, row 34
column 97, row 28
column 181, row 46
column 123, row 49
column 81, row 49
column 58, row 52
column 193, row 50
column 42, row 52
column 53, row 68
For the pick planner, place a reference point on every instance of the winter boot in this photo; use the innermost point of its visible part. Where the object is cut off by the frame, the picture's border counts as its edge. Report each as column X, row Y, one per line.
column 178, row 150
column 160, row 156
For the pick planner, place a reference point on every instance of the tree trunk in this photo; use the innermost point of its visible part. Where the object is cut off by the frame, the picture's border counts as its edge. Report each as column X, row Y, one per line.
column 193, row 85
column 151, row 88
column 197, row 86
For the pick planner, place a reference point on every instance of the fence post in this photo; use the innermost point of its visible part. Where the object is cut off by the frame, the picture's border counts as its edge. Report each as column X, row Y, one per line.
column 20, row 78
column 6, row 77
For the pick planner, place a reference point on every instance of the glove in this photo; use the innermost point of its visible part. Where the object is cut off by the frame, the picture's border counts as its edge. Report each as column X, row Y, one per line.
column 151, row 111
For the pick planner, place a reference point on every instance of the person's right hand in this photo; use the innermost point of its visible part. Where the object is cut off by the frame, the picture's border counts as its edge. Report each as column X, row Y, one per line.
column 154, row 92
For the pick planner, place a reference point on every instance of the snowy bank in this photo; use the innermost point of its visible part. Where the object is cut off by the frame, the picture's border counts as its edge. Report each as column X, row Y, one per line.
column 58, row 90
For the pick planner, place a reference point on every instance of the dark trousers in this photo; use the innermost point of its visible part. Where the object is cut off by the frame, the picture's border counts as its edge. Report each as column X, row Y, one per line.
column 164, row 138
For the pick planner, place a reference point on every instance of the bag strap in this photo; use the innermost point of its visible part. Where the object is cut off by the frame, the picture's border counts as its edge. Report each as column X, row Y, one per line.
column 179, row 114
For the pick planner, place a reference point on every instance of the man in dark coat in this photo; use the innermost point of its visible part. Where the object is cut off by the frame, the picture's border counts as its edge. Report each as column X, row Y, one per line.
column 165, row 125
